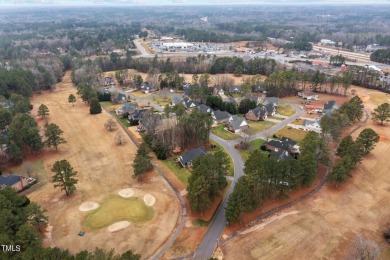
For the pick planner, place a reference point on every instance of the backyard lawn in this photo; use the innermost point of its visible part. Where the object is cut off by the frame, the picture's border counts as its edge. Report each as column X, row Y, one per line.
column 298, row 122
column 258, row 126
column 285, row 109
column 182, row 173
column 161, row 101
column 255, row 144
column 224, row 134
column 296, row 135
column 276, row 118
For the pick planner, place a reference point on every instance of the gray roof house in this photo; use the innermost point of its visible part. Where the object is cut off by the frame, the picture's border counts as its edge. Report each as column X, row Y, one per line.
column 256, row 114
column 255, row 99
column 312, row 125
column 118, row 98
column 137, row 114
column 284, row 144
column 230, row 100
column 331, row 105
column 281, row 155
column 237, row 124
column 127, row 108
column 271, row 100
column 147, row 87
column 205, row 109
column 189, row 104
column 176, row 100
column 186, row 159
column 235, row 89
column 220, row 116
column 15, row 181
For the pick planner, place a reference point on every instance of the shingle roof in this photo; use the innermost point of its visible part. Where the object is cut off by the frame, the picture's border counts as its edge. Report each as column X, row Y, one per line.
column 176, row 100
column 271, row 100
column 205, row 109
column 281, row 155
column 236, row 121
column 129, row 107
column 259, row 111
column 9, row 180
column 282, row 144
column 192, row 154
column 331, row 104
column 220, row 115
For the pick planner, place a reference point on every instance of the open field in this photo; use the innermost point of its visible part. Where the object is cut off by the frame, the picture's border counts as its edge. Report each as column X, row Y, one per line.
column 295, row 134
column 323, row 226
column 258, row 126
column 379, row 98
column 103, row 169
column 224, row 134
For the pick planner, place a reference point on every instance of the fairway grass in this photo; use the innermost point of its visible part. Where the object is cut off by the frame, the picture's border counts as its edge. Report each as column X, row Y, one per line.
column 378, row 98
column 115, row 208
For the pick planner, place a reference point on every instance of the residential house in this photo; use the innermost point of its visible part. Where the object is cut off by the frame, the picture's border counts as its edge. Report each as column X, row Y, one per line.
column 271, row 100
column 187, row 158
column 108, row 81
column 257, row 114
column 331, row 105
column 189, row 104
column 6, row 103
column 312, row 125
column 118, row 98
column 281, row 155
column 235, row 89
column 220, row 117
column 137, row 114
column 176, row 100
column 218, row 91
column 186, row 89
column 271, row 109
column 230, row 100
column 205, row 109
column 147, row 87
column 127, row 108
column 284, row 144
column 15, row 181
column 255, row 99
column 309, row 95
column 259, row 89
column 237, row 124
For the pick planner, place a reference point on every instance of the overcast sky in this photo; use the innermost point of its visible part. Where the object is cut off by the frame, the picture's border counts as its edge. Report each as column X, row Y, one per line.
column 186, row 2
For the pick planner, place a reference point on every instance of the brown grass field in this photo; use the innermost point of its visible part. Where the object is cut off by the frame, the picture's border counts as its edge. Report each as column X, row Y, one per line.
column 324, row 225
column 103, row 169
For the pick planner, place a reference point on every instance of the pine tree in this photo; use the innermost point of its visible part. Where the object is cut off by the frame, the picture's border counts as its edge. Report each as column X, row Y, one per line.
column 43, row 111
column 72, row 99
column 95, row 107
column 53, row 136
column 367, row 138
column 141, row 162
column 381, row 113
column 64, row 176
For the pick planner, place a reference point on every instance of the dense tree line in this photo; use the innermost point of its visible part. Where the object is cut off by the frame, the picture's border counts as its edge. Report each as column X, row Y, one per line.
column 266, row 177
column 208, row 178
column 21, row 224
column 351, row 153
column 216, row 103
column 382, row 56
column 349, row 112
column 163, row 135
column 208, row 36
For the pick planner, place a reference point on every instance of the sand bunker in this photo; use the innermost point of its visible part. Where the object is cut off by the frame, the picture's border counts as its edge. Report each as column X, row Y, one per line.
column 149, row 200
column 118, row 226
column 126, row 193
column 89, row 205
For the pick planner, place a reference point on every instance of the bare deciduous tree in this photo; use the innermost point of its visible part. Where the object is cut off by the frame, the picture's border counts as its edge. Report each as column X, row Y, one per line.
column 110, row 124
column 120, row 138
column 28, row 168
column 363, row 249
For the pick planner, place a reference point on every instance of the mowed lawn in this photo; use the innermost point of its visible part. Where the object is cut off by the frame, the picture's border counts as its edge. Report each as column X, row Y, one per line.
column 258, row 126
column 285, row 109
column 295, row 134
column 182, row 173
column 254, row 145
column 116, row 208
column 224, row 134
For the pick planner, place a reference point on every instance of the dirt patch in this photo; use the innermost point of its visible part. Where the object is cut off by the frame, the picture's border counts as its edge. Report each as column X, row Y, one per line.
column 126, row 193
column 88, row 206
column 149, row 200
column 118, row 226
column 103, row 169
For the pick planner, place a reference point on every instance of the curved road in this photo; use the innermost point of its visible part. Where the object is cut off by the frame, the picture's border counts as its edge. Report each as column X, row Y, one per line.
column 218, row 223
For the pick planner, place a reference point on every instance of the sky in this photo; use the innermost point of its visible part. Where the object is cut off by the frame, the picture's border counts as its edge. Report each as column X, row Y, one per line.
column 184, row 2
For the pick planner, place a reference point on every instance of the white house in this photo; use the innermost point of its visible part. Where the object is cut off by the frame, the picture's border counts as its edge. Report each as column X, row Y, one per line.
column 309, row 95
column 312, row 125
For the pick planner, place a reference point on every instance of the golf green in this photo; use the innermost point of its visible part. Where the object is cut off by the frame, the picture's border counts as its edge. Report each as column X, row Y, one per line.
column 115, row 208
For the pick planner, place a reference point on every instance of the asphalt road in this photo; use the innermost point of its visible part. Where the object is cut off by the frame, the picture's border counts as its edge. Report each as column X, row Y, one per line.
column 218, row 223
